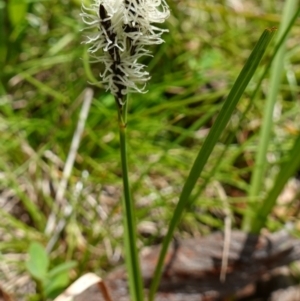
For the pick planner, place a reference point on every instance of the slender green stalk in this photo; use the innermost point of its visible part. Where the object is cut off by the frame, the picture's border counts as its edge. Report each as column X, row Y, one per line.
column 131, row 252
column 257, row 179
column 209, row 143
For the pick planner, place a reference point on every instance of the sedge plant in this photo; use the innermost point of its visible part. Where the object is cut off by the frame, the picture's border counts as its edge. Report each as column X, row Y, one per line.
column 122, row 29
column 118, row 33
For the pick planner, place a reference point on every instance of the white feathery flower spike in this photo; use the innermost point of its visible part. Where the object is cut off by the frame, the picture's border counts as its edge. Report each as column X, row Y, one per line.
column 119, row 31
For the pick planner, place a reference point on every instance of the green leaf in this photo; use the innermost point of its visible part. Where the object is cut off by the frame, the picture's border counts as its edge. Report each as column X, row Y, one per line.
column 3, row 35
column 208, row 146
column 54, row 285
column 17, row 10
column 38, row 262
column 288, row 168
column 62, row 268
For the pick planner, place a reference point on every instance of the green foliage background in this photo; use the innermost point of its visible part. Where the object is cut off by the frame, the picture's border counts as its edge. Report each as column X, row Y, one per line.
column 44, row 70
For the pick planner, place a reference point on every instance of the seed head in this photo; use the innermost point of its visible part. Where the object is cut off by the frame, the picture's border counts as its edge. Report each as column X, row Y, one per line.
column 119, row 32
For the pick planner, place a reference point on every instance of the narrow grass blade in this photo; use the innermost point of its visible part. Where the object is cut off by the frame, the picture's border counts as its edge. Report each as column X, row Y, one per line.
column 87, row 68
column 288, row 168
column 252, row 99
column 55, row 218
column 211, row 140
column 278, row 46
column 35, row 214
column 266, row 130
column 3, row 39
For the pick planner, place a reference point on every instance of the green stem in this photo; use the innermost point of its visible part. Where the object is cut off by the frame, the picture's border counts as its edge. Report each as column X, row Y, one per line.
column 131, row 253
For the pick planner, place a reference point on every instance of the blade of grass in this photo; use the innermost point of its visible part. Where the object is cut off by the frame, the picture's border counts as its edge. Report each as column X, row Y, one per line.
column 211, row 140
column 251, row 101
column 288, row 168
column 42, row 87
column 87, row 68
column 196, row 125
column 7, row 220
column 280, row 42
column 35, row 214
column 56, row 222
column 266, row 130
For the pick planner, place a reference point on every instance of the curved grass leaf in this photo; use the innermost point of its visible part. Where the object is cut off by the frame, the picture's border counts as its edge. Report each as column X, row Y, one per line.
column 287, row 169
column 211, row 140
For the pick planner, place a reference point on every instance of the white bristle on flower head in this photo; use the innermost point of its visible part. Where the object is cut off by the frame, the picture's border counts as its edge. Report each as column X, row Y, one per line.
column 120, row 29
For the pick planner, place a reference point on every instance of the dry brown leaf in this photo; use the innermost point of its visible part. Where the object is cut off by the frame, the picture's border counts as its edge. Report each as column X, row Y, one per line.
column 81, row 285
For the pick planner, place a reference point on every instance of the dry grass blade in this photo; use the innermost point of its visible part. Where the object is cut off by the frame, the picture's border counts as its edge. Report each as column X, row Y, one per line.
column 81, row 285
column 59, row 201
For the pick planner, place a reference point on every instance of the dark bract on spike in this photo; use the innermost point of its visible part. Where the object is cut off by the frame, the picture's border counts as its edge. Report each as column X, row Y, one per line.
column 129, row 6
column 104, row 21
column 102, row 12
